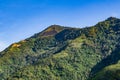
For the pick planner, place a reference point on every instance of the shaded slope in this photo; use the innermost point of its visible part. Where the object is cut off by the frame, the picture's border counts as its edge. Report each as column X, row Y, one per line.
column 113, row 58
column 111, row 72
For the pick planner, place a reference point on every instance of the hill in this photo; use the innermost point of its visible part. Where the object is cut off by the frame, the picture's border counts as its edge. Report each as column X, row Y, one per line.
column 64, row 53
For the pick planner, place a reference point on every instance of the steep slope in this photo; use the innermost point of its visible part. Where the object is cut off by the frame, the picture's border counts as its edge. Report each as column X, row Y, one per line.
column 62, row 53
column 111, row 72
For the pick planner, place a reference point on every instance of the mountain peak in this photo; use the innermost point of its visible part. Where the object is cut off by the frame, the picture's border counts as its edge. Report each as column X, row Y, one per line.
column 52, row 30
column 54, row 26
column 111, row 18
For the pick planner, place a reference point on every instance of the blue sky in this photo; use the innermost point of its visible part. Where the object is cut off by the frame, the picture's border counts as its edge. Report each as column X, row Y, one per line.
column 20, row 19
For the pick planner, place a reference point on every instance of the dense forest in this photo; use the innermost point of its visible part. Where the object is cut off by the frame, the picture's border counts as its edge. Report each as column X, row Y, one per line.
column 65, row 53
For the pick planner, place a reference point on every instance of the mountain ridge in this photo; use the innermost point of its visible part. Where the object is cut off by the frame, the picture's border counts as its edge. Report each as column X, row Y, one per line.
column 62, row 53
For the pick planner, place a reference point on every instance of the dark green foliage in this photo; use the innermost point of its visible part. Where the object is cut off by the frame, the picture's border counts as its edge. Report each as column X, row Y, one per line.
column 67, row 34
column 111, row 72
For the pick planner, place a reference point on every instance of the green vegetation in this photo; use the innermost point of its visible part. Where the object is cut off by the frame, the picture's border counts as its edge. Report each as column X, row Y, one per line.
column 63, row 53
column 111, row 72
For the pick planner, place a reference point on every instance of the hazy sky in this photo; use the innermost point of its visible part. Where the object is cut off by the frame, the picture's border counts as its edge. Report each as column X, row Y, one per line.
column 20, row 19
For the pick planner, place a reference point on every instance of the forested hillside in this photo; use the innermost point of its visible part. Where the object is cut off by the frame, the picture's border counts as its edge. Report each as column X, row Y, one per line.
column 65, row 53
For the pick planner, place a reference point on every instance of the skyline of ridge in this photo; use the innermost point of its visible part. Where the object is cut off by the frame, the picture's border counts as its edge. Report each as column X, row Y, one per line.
column 19, row 19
